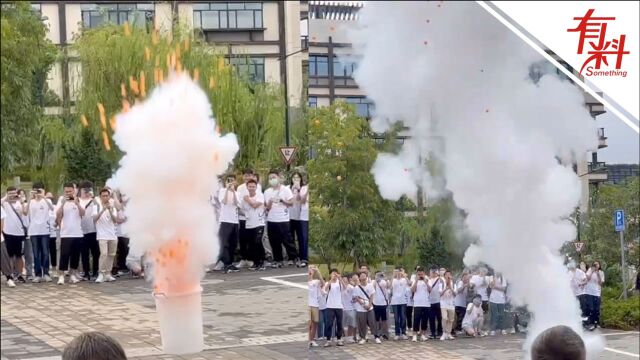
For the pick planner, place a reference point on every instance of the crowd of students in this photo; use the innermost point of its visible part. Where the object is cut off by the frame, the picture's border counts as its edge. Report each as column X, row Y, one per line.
column 43, row 237
column 357, row 307
column 80, row 235
column 244, row 212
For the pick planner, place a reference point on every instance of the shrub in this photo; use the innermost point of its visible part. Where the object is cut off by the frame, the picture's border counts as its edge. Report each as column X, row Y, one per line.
column 619, row 313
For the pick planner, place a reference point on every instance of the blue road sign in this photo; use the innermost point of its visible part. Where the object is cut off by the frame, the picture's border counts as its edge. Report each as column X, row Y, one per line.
column 618, row 220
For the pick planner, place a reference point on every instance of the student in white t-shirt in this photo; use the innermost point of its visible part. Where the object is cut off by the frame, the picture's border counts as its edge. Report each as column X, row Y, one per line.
column 246, row 238
column 421, row 304
column 473, row 317
column 278, row 198
column 299, row 216
column 69, row 217
column 363, row 303
column 315, row 282
column 497, row 301
column 106, row 220
column 89, row 245
column 252, row 206
column 4, row 260
column 436, row 284
column 349, row 312
column 462, row 288
column 332, row 291
column 37, row 211
column 399, row 303
column 229, row 223
column 14, row 234
column 593, row 291
column 577, row 281
column 480, row 282
column 380, row 304
column 447, row 306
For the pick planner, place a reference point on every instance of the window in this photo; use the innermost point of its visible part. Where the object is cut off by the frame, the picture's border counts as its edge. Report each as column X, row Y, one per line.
column 94, row 15
column 318, row 65
column 250, row 67
column 343, row 68
column 313, row 102
column 222, row 15
column 364, row 106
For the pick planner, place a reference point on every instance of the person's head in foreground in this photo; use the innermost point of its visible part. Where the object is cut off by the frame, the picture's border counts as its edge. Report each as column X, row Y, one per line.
column 93, row 346
column 558, row 343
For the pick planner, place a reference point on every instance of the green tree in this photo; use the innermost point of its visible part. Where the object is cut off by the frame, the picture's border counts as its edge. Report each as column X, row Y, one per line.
column 111, row 56
column 26, row 55
column 85, row 160
column 350, row 221
column 601, row 241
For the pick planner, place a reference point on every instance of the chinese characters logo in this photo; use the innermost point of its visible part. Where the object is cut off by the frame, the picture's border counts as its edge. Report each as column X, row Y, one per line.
column 600, row 50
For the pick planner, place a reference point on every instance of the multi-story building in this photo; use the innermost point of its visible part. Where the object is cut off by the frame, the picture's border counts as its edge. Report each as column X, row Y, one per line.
column 620, row 173
column 260, row 38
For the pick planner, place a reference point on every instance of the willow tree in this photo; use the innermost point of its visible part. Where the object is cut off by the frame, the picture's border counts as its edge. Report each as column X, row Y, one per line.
column 26, row 57
column 122, row 64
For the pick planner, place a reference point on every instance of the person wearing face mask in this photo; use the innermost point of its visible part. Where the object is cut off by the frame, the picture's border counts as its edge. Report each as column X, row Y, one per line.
column 593, row 291
column 299, row 216
column 278, row 199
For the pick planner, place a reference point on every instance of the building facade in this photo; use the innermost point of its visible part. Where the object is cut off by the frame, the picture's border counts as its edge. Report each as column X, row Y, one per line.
column 262, row 39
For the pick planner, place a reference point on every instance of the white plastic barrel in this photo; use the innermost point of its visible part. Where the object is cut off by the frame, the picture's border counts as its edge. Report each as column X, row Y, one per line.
column 180, row 318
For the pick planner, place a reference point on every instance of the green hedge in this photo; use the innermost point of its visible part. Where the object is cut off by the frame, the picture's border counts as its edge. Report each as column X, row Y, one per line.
column 618, row 313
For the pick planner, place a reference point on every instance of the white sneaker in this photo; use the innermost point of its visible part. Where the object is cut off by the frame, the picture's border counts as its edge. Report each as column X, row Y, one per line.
column 340, row 343
column 362, row 341
column 219, row 266
column 414, row 338
column 378, row 341
column 404, row 337
column 443, row 337
column 492, row 333
column 73, row 279
column 504, row 332
column 36, row 279
column 351, row 341
column 110, row 278
column 10, row 283
column 100, row 278
column 47, row 278
column 396, row 338
column 423, row 338
column 313, row 344
column 327, row 344
column 61, row 279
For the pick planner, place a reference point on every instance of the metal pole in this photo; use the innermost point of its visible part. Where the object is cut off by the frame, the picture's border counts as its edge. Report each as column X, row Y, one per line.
column 624, row 266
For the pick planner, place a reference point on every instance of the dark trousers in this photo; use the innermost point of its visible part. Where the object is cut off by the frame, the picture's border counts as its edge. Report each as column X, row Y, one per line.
column 228, row 241
column 582, row 300
column 333, row 315
column 420, row 318
column 121, row 253
column 400, row 319
column 460, row 311
column 53, row 251
column 300, row 228
column 40, row 245
column 90, row 246
column 593, row 303
column 409, row 317
column 497, row 316
column 69, row 253
column 279, row 235
column 256, row 250
column 245, row 240
column 435, row 320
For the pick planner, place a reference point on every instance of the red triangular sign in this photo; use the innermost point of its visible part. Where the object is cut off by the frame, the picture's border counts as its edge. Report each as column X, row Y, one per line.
column 579, row 245
column 287, row 153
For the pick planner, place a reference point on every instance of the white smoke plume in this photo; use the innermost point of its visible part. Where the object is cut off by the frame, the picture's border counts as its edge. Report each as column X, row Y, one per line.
column 460, row 81
column 173, row 156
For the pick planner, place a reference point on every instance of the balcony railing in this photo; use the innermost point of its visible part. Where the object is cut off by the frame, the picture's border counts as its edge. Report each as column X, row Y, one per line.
column 597, row 166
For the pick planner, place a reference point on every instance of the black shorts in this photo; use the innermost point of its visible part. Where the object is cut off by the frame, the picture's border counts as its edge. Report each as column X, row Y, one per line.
column 14, row 245
column 380, row 312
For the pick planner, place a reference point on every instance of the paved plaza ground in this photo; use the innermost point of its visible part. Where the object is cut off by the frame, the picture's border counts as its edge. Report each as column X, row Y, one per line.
column 247, row 315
